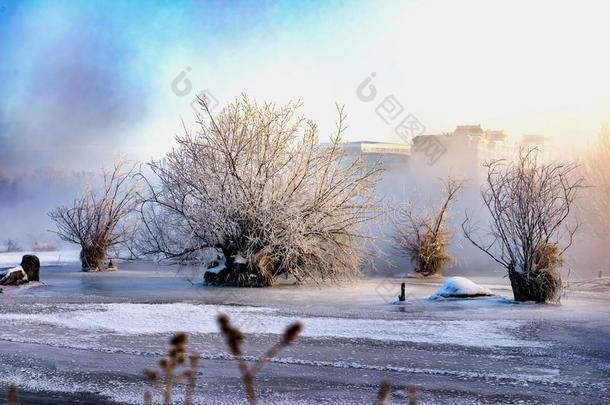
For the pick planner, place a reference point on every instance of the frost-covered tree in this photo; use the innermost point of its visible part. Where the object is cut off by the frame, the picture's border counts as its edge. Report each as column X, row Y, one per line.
column 99, row 220
column 255, row 185
column 12, row 245
column 423, row 234
column 597, row 170
column 529, row 202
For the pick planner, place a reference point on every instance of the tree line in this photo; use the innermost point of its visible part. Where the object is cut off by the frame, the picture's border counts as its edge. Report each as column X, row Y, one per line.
column 255, row 196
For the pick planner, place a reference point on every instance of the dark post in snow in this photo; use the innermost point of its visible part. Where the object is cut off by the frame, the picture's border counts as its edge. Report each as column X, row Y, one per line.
column 402, row 297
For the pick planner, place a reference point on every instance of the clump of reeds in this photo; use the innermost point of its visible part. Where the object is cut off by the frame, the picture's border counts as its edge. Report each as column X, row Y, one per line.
column 430, row 254
column 542, row 282
column 412, row 395
column 174, row 370
column 383, row 396
column 424, row 234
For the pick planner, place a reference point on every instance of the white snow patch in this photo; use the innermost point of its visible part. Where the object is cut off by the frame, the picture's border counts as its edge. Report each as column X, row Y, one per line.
column 5, row 274
column 216, row 269
column 239, row 259
column 145, row 319
column 461, row 287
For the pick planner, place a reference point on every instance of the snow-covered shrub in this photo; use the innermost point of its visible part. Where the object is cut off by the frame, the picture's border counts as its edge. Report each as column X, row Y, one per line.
column 529, row 202
column 99, row 220
column 423, row 235
column 255, row 185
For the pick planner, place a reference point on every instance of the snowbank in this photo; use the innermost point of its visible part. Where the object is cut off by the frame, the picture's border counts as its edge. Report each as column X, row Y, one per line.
column 461, row 287
column 57, row 258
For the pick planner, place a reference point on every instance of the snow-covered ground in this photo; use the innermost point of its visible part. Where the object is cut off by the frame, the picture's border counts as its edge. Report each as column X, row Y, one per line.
column 87, row 336
column 55, row 258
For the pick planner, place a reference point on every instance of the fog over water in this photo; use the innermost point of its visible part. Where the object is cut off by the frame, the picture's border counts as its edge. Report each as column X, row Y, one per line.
column 85, row 82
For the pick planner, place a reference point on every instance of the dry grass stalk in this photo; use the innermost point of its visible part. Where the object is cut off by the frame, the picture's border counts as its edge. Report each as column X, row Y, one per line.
column 12, row 395
column 99, row 221
column 423, row 235
column 176, row 359
column 256, row 186
column 174, row 370
column 529, row 202
column 383, row 396
column 412, row 395
column 235, row 339
column 148, row 400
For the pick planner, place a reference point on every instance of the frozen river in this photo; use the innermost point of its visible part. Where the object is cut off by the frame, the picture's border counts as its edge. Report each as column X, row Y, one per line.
column 85, row 337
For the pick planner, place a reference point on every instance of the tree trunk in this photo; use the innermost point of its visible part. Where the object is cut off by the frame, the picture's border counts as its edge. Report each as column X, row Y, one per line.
column 242, row 274
column 92, row 259
column 526, row 287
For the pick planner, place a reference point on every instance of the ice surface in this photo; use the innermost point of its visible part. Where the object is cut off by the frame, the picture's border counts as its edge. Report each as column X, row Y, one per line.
column 95, row 332
column 461, row 287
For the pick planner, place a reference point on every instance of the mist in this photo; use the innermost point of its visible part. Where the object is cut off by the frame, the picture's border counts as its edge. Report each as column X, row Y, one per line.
column 86, row 83
column 299, row 188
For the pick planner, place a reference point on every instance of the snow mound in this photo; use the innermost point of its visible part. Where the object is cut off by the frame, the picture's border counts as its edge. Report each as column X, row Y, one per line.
column 461, row 287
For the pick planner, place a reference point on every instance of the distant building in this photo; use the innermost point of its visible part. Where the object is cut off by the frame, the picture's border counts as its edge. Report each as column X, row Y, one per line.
column 468, row 147
column 372, row 151
column 496, row 136
column 469, row 130
column 463, row 151
column 367, row 147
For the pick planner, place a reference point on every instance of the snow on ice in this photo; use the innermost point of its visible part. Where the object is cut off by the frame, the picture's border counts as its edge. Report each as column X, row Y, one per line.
column 145, row 319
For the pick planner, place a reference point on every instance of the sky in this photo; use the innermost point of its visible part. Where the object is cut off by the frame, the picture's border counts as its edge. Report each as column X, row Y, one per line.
column 84, row 81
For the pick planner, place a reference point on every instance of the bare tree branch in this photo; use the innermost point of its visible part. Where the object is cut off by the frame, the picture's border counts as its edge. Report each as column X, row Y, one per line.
column 530, row 202
column 100, row 220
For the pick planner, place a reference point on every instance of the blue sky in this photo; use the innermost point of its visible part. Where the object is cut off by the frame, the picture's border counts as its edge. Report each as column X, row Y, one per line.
column 85, row 80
